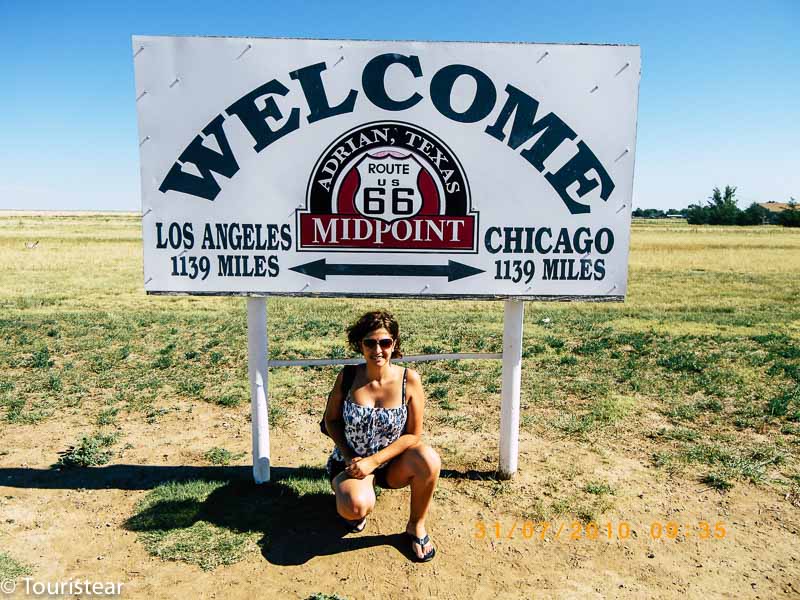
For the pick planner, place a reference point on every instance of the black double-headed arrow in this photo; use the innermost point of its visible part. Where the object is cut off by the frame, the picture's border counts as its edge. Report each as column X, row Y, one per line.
column 452, row 270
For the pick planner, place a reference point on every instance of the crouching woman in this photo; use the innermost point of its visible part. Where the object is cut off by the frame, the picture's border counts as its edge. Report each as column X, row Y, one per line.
column 374, row 416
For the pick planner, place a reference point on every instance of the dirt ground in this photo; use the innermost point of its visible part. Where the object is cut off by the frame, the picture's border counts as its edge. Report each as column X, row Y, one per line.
column 70, row 524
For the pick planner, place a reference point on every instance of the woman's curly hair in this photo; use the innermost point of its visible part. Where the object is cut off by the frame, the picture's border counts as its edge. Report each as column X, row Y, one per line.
column 377, row 319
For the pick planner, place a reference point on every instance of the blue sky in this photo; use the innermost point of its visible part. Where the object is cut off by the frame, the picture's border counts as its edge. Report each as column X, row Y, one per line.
column 719, row 99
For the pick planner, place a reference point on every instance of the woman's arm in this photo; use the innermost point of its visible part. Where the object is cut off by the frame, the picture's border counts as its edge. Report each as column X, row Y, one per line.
column 334, row 422
column 362, row 467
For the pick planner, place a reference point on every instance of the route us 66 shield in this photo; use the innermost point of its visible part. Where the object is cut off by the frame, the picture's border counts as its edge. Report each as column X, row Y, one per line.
column 388, row 186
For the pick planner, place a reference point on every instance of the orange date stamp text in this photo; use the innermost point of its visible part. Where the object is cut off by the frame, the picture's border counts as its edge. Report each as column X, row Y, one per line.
column 578, row 530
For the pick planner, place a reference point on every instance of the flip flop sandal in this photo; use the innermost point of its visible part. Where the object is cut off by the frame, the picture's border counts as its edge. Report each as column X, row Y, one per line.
column 354, row 526
column 422, row 541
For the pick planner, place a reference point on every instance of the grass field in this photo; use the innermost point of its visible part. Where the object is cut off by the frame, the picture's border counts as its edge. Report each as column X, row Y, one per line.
column 696, row 376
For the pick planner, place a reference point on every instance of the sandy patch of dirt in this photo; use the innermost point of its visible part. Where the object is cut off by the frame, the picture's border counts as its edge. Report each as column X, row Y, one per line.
column 70, row 524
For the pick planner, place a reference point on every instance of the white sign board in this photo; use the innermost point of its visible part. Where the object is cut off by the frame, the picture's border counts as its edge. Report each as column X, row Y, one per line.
column 325, row 167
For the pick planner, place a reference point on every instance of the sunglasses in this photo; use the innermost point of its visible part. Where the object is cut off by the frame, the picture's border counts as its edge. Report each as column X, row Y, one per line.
column 372, row 343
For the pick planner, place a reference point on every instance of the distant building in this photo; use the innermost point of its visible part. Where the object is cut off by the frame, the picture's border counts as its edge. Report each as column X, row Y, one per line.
column 774, row 207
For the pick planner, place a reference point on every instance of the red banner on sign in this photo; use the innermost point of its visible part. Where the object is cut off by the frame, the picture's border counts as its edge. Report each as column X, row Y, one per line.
column 418, row 233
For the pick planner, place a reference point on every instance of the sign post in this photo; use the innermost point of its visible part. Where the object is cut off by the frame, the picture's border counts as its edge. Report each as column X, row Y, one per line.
column 342, row 168
column 258, row 352
column 512, row 377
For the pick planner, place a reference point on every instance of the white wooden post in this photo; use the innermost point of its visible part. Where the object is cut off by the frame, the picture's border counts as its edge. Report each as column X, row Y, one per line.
column 257, row 368
column 512, row 376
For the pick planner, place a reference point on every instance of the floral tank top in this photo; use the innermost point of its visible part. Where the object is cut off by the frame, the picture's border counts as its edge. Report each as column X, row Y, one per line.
column 370, row 429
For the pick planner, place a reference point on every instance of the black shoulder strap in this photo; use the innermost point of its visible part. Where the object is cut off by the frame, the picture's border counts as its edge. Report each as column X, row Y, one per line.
column 405, row 372
column 348, row 376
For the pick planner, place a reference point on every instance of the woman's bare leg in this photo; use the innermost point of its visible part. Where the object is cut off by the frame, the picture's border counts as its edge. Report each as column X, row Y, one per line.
column 355, row 498
column 419, row 467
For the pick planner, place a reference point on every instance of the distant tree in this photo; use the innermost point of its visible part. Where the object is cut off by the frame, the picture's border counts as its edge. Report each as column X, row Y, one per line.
column 648, row 213
column 755, row 214
column 720, row 209
column 723, row 207
column 791, row 216
column 697, row 215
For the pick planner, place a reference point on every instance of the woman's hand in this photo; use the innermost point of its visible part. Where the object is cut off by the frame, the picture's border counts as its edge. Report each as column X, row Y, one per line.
column 360, row 467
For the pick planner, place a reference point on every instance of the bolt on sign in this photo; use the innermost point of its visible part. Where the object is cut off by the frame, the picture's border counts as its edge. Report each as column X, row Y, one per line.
column 325, row 167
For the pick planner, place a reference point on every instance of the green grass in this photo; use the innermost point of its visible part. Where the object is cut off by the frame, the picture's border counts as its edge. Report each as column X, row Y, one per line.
column 437, row 377
column 717, row 481
column 171, row 527
column 232, row 399
column 221, row 456
column 40, row 359
column 438, row 392
column 682, row 412
column 446, row 404
column 54, row 382
column 683, row 361
column 10, row 569
column 598, row 488
column 584, row 505
column 456, row 421
column 107, row 416
column 306, row 481
column 191, row 387
column 785, row 404
column 611, row 409
column 602, row 412
column 729, row 464
column 705, row 349
column 20, row 412
column 682, row 434
column 572, row 424
column 216, row 523
column 91, row 451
